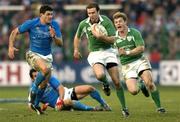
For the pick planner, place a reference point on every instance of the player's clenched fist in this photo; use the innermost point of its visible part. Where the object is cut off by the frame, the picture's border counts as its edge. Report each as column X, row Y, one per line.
column 52, row 32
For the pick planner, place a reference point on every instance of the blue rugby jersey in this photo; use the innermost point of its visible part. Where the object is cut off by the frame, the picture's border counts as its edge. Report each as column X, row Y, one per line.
column 40, row 39
column 51, row 93
column 50, row 96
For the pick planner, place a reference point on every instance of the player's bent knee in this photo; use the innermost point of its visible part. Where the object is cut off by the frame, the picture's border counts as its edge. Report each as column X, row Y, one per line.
column 91, row 88
column 46, row 70
column 100, row 76
column 134, row 92
column 117, row 85
column 151, row 86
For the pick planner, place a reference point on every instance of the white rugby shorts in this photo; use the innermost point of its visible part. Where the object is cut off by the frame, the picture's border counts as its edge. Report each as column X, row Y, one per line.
column 103, row 57
column 132, row 69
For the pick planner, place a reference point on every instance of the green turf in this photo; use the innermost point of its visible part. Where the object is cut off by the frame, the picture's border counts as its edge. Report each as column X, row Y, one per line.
column 141, row 109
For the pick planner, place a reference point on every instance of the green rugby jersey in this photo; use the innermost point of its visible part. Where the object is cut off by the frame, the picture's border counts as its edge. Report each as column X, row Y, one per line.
column 132, row 40
column 93, row 43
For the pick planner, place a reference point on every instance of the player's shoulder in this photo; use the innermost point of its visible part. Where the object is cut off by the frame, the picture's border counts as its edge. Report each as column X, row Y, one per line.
column 134, row 30
column 54, row 22
column 83, row 22
column 34, row 20
column 30, row 23
column 105, row 18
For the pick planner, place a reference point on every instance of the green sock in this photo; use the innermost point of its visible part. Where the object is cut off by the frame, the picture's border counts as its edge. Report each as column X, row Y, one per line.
column 155, row 96
column 120, row 95
column 104, row 80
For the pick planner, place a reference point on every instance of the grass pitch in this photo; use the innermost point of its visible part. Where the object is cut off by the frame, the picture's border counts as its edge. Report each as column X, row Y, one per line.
column 141, row 109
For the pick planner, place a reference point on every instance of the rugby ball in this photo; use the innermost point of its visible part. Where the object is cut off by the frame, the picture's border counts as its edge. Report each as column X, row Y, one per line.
column 100, row 29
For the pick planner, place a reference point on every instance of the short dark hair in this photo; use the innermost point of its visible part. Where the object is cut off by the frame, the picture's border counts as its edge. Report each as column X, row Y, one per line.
column 31, row 73
column 45, row 8
column 93, row 5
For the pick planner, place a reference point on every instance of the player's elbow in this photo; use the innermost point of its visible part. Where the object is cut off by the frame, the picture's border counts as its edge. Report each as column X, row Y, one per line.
column 60, row 44
column 14, row 31
column 142, row 48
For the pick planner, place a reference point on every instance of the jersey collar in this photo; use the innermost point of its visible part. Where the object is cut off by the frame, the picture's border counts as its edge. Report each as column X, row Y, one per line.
column 117, row 34
column 100, row 18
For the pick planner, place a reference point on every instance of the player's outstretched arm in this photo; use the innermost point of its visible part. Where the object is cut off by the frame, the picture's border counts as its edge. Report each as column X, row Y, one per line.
column 12, row 38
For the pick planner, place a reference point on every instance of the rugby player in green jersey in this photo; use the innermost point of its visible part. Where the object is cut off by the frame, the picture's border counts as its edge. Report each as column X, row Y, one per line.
column 135, row 65
column 102, row 56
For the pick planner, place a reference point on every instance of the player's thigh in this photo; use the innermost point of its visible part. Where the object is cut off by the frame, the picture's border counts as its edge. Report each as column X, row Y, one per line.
column 146, row 76
column 41, row 64
column 83, row 90
column 37, row 62
column 131, row 85
column 99, row 70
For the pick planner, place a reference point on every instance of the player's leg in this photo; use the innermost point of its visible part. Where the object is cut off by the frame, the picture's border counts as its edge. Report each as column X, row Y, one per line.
column 131, row 76
column 132, row 86
column 43, row 75
column 44, row 70
column 77, row 105
column 114, row 74
column 71, row 98
column 146, row 75
column 84, row 90
column 96, row 61
column 99, row 72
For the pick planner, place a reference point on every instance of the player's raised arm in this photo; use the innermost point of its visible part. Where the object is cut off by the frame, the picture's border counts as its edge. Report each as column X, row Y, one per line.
column 12, row 39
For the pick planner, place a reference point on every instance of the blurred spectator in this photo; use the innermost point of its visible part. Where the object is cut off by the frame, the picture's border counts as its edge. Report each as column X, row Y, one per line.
column 158, row 20
column 155, row 55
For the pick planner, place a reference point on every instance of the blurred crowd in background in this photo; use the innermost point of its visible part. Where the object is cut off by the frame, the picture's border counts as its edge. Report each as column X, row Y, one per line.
column 158, row 20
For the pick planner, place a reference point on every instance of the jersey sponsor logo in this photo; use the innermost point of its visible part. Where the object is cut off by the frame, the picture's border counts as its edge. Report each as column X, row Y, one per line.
column 119, row 40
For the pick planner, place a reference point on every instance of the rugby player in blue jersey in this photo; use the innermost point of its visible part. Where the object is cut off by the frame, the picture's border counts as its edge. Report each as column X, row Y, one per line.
column 50, row 97
column 42, row 30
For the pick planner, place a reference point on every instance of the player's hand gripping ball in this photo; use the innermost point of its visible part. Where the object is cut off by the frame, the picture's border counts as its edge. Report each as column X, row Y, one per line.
column 100, row 29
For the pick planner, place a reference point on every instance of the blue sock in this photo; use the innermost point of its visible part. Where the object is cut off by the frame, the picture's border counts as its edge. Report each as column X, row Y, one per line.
column 40, row 77
column 95, row 95
column 80, row 106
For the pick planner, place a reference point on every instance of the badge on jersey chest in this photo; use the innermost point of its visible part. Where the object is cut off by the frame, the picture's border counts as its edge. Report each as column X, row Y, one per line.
column 129, row 38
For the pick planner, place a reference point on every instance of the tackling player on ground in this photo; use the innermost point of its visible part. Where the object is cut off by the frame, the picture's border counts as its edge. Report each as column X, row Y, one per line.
column 50, row 96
